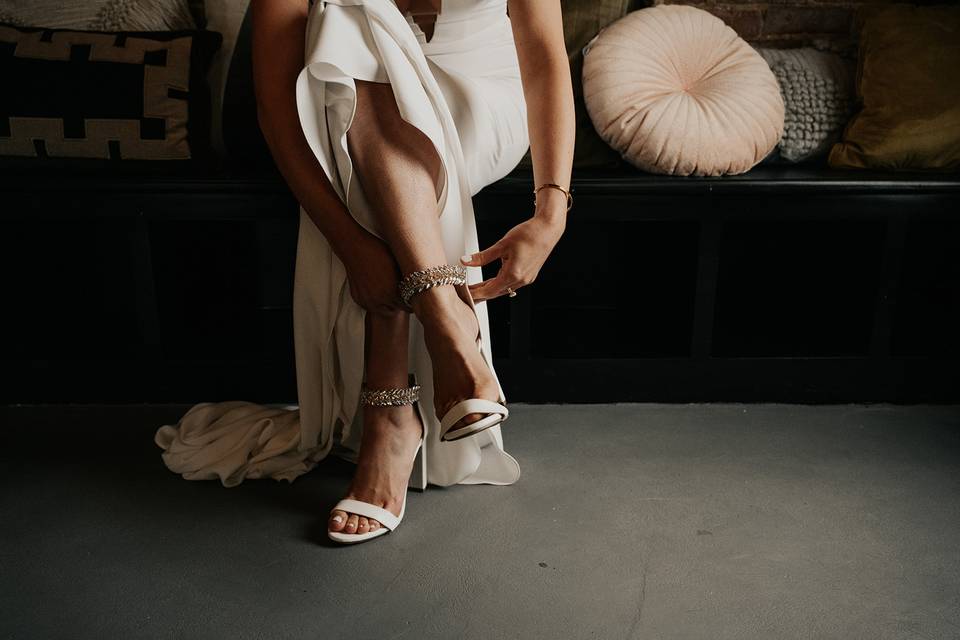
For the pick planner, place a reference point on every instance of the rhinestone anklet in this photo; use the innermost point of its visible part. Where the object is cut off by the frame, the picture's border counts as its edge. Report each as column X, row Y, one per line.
column 414, row 283
column 390, row 397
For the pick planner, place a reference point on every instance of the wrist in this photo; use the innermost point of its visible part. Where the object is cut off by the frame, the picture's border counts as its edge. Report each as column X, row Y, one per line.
column 551, row 206
column 348, row 243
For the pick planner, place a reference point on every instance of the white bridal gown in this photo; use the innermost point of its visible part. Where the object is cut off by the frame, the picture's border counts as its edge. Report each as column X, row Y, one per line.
column 463, row 90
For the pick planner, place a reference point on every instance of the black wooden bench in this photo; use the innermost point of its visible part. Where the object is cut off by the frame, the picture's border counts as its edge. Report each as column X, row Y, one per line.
column 799, row 284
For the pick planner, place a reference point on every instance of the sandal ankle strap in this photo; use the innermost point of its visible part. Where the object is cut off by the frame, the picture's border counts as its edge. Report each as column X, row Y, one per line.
column 418, row 281
column 389, row 397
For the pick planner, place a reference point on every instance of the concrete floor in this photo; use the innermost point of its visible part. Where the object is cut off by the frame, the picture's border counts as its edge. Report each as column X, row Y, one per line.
column 630, row 521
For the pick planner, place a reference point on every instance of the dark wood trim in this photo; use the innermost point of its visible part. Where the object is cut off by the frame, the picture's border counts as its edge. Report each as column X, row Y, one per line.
column 896, row 231
column 708, row 265
column 146, row 294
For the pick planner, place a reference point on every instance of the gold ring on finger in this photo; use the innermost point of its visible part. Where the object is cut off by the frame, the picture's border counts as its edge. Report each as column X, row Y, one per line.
column 510, row 292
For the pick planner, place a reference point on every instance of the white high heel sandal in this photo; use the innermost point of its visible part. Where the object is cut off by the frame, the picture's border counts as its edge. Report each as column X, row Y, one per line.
column 418, row 281
column 418, row 475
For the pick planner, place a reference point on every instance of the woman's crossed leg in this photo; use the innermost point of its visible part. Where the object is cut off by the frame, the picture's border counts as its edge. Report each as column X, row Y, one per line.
column 401, row 174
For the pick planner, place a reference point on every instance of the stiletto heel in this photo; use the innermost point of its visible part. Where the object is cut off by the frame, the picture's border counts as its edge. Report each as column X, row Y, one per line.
column 497, row 412
column 418, row 475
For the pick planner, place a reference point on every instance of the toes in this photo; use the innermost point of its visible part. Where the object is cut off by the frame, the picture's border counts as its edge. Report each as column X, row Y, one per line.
column 337, row 520
column 352, row 522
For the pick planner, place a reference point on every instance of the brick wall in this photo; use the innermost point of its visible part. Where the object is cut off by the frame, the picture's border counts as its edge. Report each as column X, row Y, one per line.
column 824, row 24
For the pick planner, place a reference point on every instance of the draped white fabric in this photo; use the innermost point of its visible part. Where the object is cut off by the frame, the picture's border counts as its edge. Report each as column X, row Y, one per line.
column 463, row 91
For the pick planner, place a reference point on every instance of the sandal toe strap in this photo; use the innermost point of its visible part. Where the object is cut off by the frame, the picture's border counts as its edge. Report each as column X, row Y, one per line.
column 361, row 508
column 468, row 406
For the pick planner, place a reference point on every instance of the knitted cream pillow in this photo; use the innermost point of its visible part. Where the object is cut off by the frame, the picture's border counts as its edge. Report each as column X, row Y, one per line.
column 674, row 90
column 818, row 93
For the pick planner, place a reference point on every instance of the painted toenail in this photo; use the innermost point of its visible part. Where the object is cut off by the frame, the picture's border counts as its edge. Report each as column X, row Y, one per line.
column 337, row 519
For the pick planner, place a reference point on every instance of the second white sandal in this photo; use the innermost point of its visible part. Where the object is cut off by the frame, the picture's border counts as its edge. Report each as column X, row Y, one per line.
column 497, row 412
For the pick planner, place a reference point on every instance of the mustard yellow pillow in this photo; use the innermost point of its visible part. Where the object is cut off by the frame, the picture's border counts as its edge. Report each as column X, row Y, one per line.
column 908, row 85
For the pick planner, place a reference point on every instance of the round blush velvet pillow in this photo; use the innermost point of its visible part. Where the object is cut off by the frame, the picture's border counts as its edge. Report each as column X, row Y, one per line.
column 676, row 91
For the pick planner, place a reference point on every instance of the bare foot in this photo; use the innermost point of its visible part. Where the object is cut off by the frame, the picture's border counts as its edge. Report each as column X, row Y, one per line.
column 459, row 369
column 390, row 436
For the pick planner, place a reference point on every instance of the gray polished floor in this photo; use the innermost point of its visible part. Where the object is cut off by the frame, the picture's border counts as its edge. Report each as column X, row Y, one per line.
column 630, row 521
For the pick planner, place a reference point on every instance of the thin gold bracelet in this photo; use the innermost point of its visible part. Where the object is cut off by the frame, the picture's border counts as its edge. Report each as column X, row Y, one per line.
column 550, row 184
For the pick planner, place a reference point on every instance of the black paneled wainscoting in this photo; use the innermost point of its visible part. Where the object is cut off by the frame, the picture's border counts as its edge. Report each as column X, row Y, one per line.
column 781, row 284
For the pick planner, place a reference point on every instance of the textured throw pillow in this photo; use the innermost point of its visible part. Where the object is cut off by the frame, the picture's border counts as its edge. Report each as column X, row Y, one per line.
column 93, row 98
column 582, row 19
column 817, row 90
column 908, row 85
column 101, row 15
column 676, row 91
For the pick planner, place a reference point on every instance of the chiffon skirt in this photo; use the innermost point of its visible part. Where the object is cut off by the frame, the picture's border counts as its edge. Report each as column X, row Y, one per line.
column 462, row 89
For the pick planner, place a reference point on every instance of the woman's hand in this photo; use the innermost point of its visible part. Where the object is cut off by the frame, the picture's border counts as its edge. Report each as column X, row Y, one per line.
column 374, row 275
column 522, row 252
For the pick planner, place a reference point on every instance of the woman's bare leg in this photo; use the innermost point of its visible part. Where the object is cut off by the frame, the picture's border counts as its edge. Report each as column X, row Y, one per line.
column 390, row 433
column 400, row 173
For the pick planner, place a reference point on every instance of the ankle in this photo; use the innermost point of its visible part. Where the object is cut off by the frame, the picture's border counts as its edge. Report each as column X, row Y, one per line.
column 392, row 417
column 437, row 307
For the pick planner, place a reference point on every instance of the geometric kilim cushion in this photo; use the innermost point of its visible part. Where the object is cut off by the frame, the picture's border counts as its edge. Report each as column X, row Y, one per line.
column 107, row 96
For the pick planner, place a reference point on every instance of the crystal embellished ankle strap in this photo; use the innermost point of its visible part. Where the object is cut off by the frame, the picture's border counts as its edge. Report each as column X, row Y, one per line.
column 414, row 283
column 389, row 397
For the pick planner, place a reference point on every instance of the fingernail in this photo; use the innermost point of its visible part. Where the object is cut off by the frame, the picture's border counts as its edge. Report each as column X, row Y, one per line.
column 467, row 257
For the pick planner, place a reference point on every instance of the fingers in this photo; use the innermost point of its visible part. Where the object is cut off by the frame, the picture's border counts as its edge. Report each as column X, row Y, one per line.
column 392, row 303
column 506, row 278
column 488, row 288
column 388, row 307
column 379, row 301
column 395, row 306
column 482, row 257
column 494, row 287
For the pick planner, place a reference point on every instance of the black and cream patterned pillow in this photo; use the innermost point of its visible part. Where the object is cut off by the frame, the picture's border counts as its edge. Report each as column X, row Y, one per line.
column 113, row 98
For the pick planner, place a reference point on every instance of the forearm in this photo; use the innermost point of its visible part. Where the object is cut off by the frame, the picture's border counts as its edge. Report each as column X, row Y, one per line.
column 552, row 129
column 304, row 175
column 548, row 91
